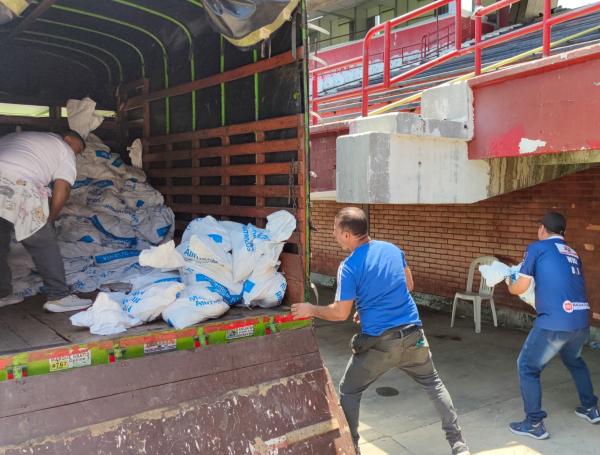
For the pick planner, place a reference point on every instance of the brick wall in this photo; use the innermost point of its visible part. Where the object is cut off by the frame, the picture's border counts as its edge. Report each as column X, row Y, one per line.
column 441, row 240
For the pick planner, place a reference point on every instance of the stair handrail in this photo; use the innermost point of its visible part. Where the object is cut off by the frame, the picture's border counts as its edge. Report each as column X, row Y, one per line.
column 548, row 20
column 487, row 69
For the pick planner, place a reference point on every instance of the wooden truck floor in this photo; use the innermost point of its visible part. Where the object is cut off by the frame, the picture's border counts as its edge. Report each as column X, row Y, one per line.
column 26, row 326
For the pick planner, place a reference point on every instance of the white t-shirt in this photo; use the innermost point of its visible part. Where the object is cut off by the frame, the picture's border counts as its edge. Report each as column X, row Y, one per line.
column 38, row 157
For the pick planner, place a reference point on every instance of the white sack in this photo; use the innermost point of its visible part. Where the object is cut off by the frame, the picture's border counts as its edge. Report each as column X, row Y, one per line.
column 135, row 153
column 162, row 257
column 196, row 304
column 208, row 227
column 148, row 303
column 105, row 316
column 81, row 116
column 281, row 225
column 139, row 281
column 244, row 242
column 494, row 273
column 497, row 272
column 264, row 290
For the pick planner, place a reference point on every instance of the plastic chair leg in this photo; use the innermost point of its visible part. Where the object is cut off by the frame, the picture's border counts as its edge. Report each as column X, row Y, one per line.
column 453, row 311
column 477, row 314
column 493, row 306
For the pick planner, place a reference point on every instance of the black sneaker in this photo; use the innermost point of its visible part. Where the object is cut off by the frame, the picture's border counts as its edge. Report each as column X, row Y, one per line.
column 525, row 428
column 592, row 414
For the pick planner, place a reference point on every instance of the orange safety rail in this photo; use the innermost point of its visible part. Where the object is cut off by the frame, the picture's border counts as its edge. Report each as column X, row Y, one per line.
column 477, row 48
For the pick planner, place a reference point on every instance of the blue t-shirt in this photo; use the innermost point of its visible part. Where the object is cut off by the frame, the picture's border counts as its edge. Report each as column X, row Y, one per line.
column 373, row 276
column 560, row 297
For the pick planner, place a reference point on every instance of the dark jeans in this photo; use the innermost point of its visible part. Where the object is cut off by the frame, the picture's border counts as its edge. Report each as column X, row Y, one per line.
column 410, row 354
column 43, row 248
column 539, row 348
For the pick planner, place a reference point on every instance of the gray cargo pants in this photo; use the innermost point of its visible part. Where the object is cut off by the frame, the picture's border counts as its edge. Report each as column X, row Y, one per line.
column 410, row 354
column 43, row 248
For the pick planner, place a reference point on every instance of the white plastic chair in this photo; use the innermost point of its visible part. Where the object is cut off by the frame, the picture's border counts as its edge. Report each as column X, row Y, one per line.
column 484, row 293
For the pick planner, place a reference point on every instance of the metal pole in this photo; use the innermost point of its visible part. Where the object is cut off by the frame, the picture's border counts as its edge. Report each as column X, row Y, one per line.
column 315, row 94
column 478, row 51
column 547, row 28
column 387, row 52
column 458, row 25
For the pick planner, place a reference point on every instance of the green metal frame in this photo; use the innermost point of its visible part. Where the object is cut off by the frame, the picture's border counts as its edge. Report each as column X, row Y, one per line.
column 107, row 35
column 83, row 43
column 306, row 150
column 73, row 49
column 64, row 57
column 187, row 33
column 139, row 29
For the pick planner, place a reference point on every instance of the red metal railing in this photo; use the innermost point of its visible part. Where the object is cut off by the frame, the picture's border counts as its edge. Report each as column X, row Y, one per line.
column 480, row 12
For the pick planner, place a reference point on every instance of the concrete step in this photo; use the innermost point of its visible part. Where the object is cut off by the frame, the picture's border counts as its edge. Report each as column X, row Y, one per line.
column 408, row 158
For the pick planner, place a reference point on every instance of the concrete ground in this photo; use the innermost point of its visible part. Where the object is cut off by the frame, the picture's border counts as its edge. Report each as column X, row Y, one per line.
column 479, row 371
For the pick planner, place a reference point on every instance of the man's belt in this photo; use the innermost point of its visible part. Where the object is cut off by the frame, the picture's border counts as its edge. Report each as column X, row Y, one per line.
column 402, row 331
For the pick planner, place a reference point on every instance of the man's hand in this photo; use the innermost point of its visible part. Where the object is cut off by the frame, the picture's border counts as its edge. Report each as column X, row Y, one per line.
column 60, row 195
column 356, row 318
column 302, row 310
column 520, row 286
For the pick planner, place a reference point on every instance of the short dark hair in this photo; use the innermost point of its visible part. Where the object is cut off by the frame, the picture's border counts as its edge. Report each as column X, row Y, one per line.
column 354, row 220
column 73, row 134
column 554, row 223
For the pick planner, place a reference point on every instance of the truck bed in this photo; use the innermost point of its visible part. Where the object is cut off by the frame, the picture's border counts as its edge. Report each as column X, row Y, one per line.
column 26, row 326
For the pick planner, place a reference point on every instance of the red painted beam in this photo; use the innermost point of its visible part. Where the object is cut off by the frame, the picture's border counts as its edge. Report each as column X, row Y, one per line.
column 545, row 106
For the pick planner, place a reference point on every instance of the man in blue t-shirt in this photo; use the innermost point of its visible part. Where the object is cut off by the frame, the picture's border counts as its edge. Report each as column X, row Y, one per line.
column 376, row 278
column 561, row 326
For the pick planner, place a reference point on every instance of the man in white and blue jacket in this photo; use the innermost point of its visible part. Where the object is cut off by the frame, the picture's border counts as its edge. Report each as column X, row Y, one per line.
column 561, row 326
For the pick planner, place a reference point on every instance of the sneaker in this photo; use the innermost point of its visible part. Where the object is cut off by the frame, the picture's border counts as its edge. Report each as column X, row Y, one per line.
column 10, row 300
column 460, row 448
column 592, row 414
column 525, row 428
column 68, row 303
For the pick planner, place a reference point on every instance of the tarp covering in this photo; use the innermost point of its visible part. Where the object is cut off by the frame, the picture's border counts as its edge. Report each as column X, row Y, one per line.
column 247, row 22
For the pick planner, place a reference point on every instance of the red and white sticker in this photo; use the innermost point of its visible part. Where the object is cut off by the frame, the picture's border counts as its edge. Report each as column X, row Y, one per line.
column 569, row 306
column 80, row 359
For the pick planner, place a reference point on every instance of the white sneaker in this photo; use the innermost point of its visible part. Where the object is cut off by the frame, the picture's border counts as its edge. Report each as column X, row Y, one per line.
column 10, row 300
column 68, row 303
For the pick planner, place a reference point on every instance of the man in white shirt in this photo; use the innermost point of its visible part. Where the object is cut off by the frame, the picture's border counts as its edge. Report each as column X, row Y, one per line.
column 29, row 163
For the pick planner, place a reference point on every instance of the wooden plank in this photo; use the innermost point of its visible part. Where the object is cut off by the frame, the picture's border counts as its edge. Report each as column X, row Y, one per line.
column 197, row 416
column 207, row 384
column 233, row 210
column 295, row 291
column 137, row 84
column 16, row 398
column 19, row 331
column 235, row 190
column 234, row 169
column 260, row 179
column 47, row 122
column 292, row 265
column 279, row 145
column 211, row 81
column 30, row 19
column 272, row 124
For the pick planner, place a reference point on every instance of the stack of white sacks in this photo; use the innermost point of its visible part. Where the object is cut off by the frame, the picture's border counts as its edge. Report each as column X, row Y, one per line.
column 111, row 216
column 116, row 230
column 216, row 265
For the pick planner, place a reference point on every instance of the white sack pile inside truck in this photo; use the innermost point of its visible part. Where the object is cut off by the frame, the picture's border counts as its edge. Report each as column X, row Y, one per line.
column 216, row 97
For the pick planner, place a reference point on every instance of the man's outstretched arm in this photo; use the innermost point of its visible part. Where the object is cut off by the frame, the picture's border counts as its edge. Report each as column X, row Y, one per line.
column 337, row 311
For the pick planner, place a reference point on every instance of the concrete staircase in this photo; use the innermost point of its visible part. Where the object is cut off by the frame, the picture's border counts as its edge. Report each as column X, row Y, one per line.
column 408, row 158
